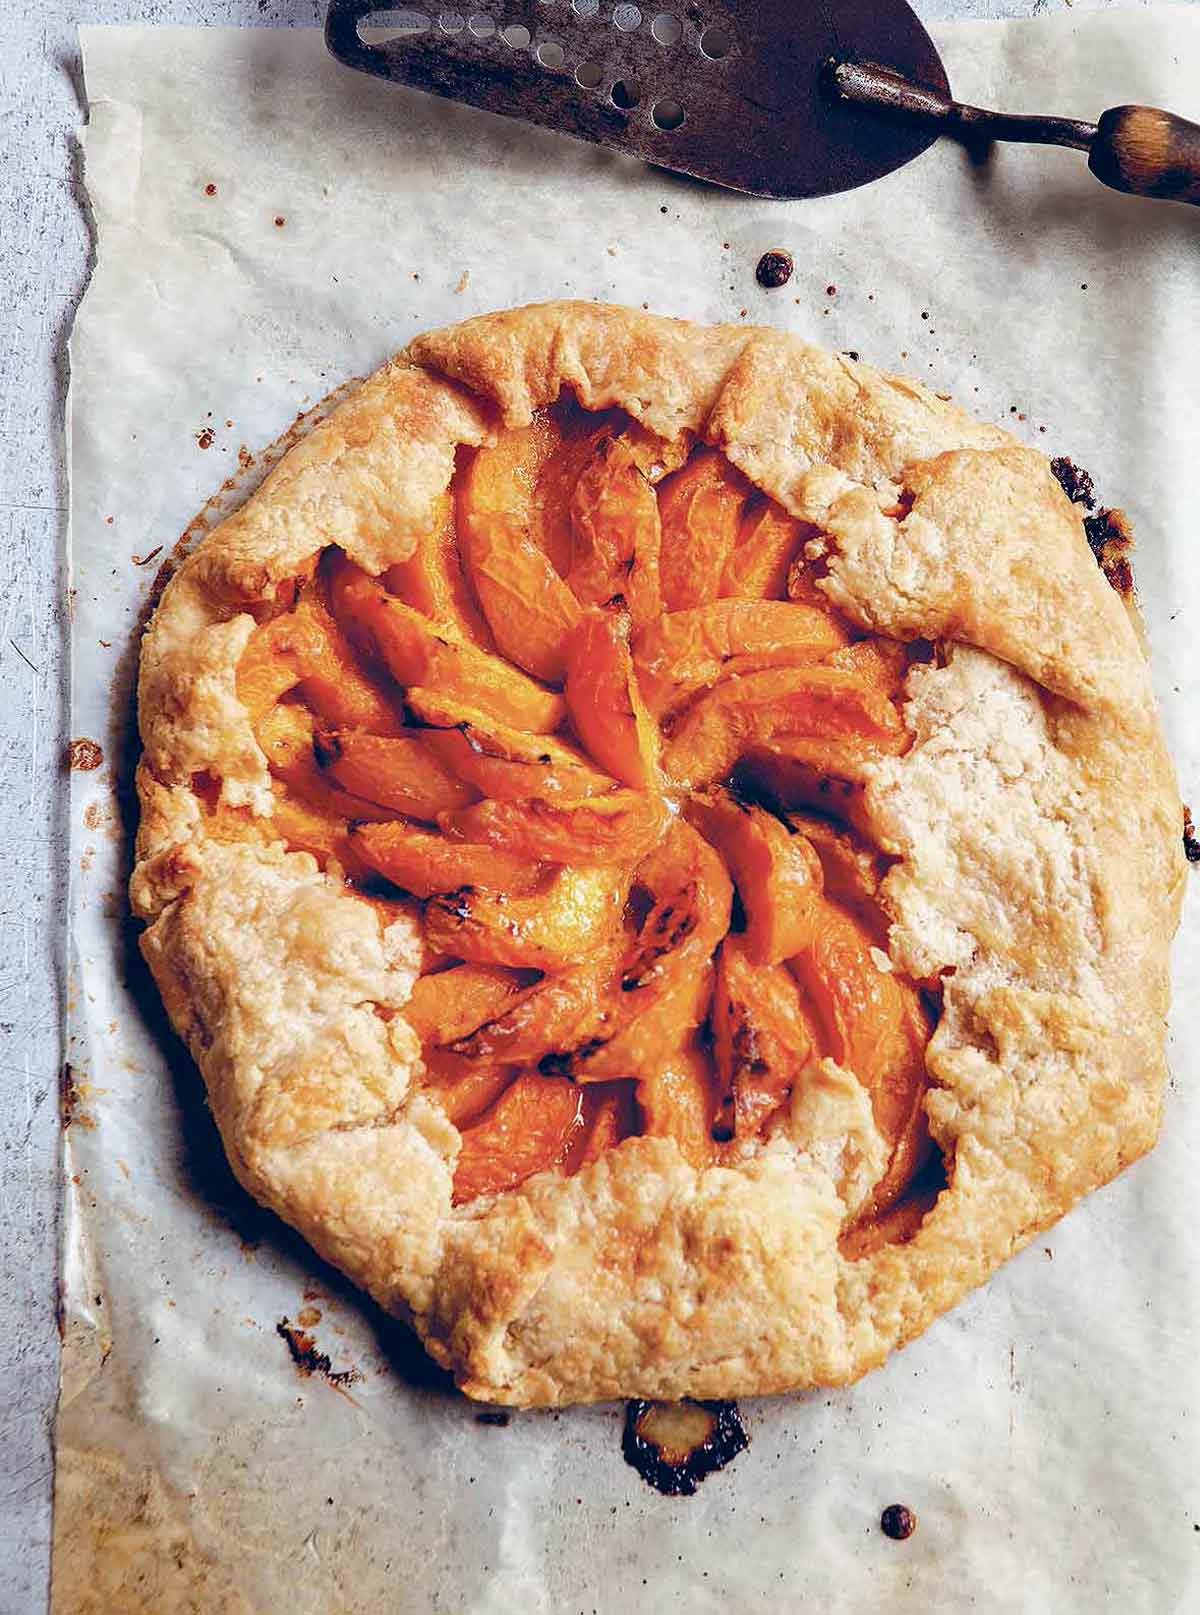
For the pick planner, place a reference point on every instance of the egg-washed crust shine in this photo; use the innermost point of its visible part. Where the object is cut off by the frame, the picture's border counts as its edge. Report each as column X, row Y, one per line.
column 1034, row 822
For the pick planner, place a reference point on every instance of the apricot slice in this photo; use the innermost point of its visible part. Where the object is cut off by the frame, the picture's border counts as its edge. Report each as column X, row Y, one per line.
column 563, row 1010
column 677, row 1101
column 656, row 457
column 286, row 734
column 306, row 648
column 821, row 703
column 565, row 922
column 664, row 981
column 767, row 541
column 397, row 772
column 620, row 827
column 882, row 663
column 503, row 476
column 528, row 607
column 776, row 871
column 464, row 1088
column 605, row 703
column 498, row 760
column 691, row 897
column 610, row 1115
column 450, row 1005
column 628, row 1042
column 305, row 828
column 529, row 1129
column 685, row 651
column 264, row 672
column 851, row 868
column 803, row 583
column 823, row 776
column 432, row 580
column 872, row 1022
column 896, row 1226
column 616, row 534
column 763, row 1036
column 580, row 434
column 418, row 651
column 700, row 508
column 287, row 739
column 424, row 863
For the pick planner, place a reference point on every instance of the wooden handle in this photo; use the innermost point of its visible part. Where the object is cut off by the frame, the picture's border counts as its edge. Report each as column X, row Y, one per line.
column 1136, row 149
column 1148, row 153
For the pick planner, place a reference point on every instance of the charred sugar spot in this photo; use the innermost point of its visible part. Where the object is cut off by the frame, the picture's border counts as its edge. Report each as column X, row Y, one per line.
column 1111, row 540
column 497, row 1417
column 1191, row 847
column 565, row 1062
column 774, row 269
column 327, row 748
column 898, row 1522
column 1076, row 483
column 675, row 1445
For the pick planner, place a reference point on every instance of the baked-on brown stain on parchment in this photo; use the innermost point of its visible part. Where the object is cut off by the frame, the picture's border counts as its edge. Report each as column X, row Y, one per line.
column 83, row 755
column 302, row 1349
column 68, row 1095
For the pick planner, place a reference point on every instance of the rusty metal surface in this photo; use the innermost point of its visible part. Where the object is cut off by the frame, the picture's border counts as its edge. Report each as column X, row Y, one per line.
column 745, row 78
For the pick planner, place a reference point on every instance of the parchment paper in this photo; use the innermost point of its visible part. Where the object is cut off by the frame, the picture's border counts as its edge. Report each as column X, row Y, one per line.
column 269, row 224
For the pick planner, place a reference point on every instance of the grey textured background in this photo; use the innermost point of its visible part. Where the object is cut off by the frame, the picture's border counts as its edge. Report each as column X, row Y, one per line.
column 45, row 252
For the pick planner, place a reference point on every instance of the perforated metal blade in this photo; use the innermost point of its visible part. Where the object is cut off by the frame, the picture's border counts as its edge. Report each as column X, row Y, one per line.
column 733, row 94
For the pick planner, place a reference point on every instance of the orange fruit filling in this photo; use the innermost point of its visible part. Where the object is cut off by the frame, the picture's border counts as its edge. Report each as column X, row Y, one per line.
column 606, row 735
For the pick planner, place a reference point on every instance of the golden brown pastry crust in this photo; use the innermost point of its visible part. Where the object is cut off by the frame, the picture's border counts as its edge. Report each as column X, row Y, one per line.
column 1035, row 820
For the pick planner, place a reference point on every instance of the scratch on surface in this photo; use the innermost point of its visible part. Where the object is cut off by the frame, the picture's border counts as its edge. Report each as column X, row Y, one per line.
column 25, row 658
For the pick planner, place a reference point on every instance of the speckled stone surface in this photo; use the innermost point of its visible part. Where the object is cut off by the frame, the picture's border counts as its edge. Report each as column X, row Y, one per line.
column 45, row 252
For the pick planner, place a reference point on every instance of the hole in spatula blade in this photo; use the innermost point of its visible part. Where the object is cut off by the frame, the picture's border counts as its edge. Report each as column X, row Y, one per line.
column 667, row 114
column 666, row 30
column 626, row 93
column 383, row 26
column 551, row 54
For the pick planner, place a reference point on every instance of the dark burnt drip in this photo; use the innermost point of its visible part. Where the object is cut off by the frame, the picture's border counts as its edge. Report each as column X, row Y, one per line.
column 898, row 1522
column 1191, row 845
column 680, row 1477
column 1109, row 535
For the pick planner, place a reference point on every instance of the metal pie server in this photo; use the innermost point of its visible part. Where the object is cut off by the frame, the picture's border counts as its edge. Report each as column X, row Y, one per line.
column 781, row 98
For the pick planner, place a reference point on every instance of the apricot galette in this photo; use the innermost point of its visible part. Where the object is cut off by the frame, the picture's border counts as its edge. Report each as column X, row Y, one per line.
column 660, row 843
